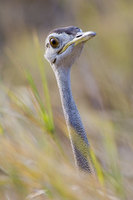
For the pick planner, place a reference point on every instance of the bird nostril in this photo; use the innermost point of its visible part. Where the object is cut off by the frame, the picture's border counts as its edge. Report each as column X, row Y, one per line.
column 79, row 35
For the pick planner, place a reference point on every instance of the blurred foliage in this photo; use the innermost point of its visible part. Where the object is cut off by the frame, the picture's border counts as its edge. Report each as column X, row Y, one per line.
column 36, row 161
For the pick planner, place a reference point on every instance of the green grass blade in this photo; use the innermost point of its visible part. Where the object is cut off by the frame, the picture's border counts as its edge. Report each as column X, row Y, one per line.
column 40, row 58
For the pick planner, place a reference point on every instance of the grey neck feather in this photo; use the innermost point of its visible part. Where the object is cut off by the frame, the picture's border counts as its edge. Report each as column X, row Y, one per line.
column 75, row 127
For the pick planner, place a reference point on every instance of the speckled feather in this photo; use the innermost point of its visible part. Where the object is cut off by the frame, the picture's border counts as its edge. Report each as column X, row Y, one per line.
column 76, row 130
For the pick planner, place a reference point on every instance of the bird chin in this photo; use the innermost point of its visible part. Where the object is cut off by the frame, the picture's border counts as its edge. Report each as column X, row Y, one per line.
column 68, row 57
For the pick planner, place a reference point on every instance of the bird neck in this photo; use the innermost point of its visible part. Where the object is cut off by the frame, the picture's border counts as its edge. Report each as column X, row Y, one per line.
column 75, row 127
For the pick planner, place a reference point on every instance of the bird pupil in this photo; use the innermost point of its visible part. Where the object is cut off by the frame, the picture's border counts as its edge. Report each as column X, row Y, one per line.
column 53, row 42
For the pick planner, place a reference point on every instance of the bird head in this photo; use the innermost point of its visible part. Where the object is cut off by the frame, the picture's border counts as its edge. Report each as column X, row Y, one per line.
column 64, row 45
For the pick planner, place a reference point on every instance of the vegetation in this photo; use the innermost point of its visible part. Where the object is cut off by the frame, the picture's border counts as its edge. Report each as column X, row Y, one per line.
column 36, row 161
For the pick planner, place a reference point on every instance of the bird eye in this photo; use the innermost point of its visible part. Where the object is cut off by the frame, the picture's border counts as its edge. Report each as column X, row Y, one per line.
column 54, row 42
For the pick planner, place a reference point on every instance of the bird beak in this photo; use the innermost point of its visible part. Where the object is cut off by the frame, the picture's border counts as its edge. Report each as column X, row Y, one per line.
column 80, row 37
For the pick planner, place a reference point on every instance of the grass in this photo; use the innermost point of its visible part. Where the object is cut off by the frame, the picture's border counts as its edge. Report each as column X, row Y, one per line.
column 34, row 163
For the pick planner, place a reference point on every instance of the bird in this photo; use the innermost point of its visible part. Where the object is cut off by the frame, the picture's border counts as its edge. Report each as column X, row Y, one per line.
column 62, row 47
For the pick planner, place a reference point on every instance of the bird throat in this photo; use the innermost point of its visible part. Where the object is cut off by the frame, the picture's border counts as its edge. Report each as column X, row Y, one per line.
column 75, row 127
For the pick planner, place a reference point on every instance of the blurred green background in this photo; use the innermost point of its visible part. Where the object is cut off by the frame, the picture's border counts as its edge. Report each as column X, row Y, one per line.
column 102, row 79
